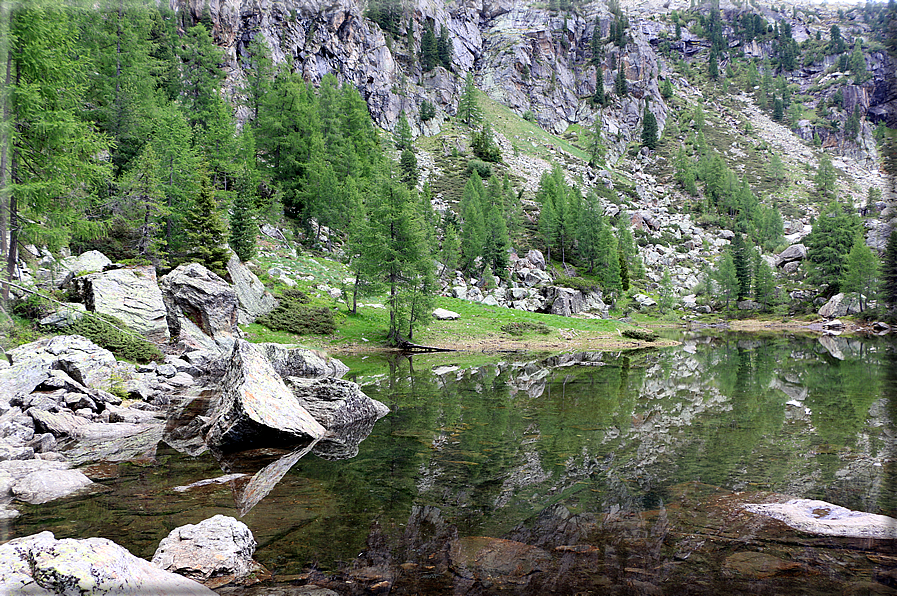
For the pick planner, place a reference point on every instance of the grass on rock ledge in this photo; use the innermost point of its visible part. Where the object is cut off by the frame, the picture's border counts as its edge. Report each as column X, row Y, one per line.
column 479, row 327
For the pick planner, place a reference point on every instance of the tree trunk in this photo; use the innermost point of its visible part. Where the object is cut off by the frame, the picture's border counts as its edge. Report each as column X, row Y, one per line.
column 4, row 141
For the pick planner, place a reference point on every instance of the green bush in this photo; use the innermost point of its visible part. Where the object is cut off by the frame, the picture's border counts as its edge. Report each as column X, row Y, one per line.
column 519, row 329
column 294, row 315
column 482, row 169
column 101, row 330
column 640, row 334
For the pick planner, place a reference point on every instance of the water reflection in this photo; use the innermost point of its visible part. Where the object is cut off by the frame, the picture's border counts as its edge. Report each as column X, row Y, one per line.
column 607, row 472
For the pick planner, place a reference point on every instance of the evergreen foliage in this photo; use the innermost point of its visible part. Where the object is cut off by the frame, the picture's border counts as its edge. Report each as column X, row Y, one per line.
column 649, row 130
column 429, row 53
column 726, row 277
column 242, row 227
column 889, row 271
column 826, row 177
column 293, row 314
column 861, row 272
column 829, row 243
column 483, row 144
column 206, row 231
column 444, row 48
column 468, row 108
column 621, row 86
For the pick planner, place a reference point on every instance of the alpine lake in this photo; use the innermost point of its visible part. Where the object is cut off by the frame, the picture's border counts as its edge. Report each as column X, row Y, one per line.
column 520, row 473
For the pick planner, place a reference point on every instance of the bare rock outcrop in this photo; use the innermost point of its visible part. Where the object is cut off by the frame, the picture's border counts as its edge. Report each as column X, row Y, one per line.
column 202, row 307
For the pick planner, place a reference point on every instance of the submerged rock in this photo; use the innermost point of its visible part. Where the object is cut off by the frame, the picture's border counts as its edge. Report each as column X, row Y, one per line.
column 255, row 408
column 38, row 481
column 214, row 552
column 819, row 517
column 41, row 564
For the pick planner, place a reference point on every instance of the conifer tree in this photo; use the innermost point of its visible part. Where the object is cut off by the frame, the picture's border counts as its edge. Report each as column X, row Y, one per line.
column 444, row 48
column 473, row 231
column 860, row 273
column 726, row 278
column 451, row 249
column 621, row 86
column 829, row 243
column 825, row 177
column 649, row 130
column 143, row 204
column 402, row 135
column 778, row 111
column 666, row 89
column 764, row 282
column 742, row 262
column 596, row 146
column 206, row 231
column 408, row 164
column 889, row 271
column 713, row 67
column 599, row 97
column 596, row 45
column 627, row 249
column 468, row 109
column 429, row 53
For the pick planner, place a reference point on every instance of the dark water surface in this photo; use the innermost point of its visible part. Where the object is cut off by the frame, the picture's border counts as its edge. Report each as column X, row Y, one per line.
column 617, row 473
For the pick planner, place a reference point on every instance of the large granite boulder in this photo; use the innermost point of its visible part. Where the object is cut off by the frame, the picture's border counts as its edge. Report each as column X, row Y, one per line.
column 795, row 252
column 253, row 300
column 214, row 552
column 841, row 305
column 255, row 408
column 33, row 364
column 130, row 294
column 40, row 564
column 294, row 361
column 202, row 307
column 564, row 301
column 335, row 402
column 92, row 261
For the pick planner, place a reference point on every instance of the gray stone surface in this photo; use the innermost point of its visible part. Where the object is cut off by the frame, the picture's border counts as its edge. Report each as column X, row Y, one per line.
column 252, row 297
column 795, row 252
column 64, row 316
column 42, row 486
column 295, row 361
column 841, row 305
column 218, row 549
column 441, row 314
column 77, row 356
column 130, row 294
column 202, row 307
column 42, row 565
column 335, row 402
column 255, row 408
column 826, row 519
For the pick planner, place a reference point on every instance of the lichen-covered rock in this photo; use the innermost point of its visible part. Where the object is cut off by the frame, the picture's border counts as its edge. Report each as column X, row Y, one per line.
column 294, row 361
column 795, row 252
column 255, row 408
column 213, row 552
column 202, row 307
column 40, row 564
column 131, row 295
column 335, row 402
column 252, row 297
column 841, row 305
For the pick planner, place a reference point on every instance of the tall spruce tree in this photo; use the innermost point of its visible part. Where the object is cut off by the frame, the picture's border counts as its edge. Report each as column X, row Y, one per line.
column 206, row 231
column 444, row 48
column 861, row 272
column 621, row 86
column 649, row 130
column 829, row 243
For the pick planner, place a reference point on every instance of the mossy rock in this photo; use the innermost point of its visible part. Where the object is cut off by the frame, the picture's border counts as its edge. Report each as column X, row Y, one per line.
column 101, row 330
column 294, row 315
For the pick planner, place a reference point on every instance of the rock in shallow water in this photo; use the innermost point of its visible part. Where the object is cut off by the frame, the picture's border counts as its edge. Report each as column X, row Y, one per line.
column 41, row 564
column 255, row 407
column 819, row 517
column 213, row 552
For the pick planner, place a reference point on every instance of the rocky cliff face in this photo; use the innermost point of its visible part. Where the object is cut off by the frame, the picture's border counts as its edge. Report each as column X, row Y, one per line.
column 523, row 56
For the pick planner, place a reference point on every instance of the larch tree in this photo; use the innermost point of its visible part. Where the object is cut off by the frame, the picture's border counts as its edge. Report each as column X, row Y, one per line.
column 468, row 108
column 54, row 157
column 861, row 272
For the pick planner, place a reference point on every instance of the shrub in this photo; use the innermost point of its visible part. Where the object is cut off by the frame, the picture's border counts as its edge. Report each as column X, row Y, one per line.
column 519, row 329
column 294, row 315
column 126, row 345
column 640, row 334
column 482, row 169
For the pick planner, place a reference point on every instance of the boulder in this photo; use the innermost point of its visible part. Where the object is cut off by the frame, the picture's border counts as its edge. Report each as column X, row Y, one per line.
column 38, row 481
column 536, row 258
column 130, row 294
column 749, row 305
column 33, row 364
column 41, row 564
column 202, row 307
column 294, row 361
column 92, row 261
column 253, row 300
column 335, row 402
column 564, row 301
column 255, row 408
column 536, row 277
column 644, row 301
column 214, row 552
column 841, row 305
column 825, row 519
column 795, row 252
column 441, row 314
